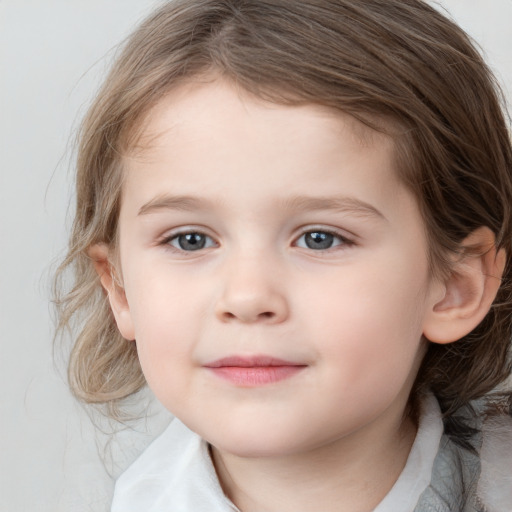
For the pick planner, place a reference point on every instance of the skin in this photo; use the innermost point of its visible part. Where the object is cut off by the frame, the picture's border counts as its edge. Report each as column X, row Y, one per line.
column 218, row 162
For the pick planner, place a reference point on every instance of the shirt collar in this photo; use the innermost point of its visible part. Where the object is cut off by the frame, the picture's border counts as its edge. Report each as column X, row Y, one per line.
column 176, row 472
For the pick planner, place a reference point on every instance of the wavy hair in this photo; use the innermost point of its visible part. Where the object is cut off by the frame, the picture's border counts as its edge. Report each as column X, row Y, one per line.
column 398, row 63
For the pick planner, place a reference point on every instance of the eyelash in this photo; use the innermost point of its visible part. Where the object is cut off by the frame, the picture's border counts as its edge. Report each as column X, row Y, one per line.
column 342, row 240
column 175, row 236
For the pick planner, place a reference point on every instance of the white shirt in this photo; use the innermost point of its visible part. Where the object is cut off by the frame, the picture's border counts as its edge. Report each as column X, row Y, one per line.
column 176, row 474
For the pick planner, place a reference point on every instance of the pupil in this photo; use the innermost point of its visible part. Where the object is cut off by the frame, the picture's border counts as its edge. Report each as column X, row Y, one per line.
column 319, row 240
column 192, row 241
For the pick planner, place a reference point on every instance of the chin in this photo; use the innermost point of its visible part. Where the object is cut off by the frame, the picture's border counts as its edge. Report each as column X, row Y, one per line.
column 264, row 441
column 255, row 448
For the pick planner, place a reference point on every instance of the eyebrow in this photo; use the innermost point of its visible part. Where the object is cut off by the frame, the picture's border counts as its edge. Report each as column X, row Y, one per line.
column 341, row 204
column 168, row 202
column 297, row 203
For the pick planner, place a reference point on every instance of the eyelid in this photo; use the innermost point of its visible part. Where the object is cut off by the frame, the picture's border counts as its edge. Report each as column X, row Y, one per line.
column 184, row 230
column 187, row 228
column 347, row 240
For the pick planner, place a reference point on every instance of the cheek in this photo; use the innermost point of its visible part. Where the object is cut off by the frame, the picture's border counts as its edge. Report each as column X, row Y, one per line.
column 166, row 319
column 370, row 319
column 161, row 300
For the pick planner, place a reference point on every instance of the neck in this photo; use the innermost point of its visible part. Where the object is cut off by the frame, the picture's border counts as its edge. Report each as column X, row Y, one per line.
column 353, row 473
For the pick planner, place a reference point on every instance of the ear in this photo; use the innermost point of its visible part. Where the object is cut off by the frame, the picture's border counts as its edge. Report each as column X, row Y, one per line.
column 469, row 290
column 99, row 253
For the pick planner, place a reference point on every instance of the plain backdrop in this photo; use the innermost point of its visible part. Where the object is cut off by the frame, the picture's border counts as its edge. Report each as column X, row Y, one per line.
column 53, row 55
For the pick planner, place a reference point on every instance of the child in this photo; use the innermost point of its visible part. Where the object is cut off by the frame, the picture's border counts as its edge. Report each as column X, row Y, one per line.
column 299, row 215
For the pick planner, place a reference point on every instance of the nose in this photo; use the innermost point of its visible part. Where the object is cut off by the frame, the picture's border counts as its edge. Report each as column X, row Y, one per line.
column 252, row 292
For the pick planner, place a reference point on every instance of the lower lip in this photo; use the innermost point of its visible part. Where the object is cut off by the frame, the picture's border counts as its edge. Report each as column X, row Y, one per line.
column 255, row 375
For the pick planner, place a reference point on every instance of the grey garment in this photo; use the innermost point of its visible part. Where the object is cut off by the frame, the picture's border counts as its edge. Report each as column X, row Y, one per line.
column 454, row 482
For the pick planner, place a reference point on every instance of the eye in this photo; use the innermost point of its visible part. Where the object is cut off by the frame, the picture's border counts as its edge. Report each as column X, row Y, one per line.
column 320, row 240
column 192, row 241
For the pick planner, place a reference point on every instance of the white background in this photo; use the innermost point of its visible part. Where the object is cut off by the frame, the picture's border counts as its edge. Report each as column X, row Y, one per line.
column 53, row 54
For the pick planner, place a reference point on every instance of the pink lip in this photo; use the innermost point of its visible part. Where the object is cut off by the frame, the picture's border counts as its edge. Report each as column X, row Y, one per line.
column 254, row 370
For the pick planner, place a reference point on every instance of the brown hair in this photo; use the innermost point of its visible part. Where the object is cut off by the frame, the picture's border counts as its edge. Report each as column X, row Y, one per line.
column 400, row 61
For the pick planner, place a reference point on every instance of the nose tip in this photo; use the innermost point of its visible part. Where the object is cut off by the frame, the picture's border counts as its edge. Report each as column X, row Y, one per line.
column 249, row 301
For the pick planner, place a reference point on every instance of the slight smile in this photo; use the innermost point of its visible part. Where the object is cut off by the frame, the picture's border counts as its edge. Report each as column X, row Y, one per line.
column 255, row 370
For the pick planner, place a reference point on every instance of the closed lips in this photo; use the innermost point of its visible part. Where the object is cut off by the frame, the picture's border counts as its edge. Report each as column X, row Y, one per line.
column 248, row 362
column 254, row 371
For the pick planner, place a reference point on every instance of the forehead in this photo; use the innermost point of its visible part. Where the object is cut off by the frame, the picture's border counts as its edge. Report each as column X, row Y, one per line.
column 212, row 99
column 218, row 141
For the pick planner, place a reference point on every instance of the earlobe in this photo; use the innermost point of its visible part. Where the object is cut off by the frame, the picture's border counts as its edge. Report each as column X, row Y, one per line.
column 99, row 254
column 469, row 290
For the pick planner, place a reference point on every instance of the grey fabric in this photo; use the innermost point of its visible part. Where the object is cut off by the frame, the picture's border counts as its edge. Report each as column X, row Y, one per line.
column 454, row 481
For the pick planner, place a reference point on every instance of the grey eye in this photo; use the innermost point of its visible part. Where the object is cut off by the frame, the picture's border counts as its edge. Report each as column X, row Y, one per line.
column 319, row 240
column 191, row 241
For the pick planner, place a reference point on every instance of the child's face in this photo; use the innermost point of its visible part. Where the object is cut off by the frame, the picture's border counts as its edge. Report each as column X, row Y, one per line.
column 302, row 246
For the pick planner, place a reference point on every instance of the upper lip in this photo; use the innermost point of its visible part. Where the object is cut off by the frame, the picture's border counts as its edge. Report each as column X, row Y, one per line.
column 250, row 362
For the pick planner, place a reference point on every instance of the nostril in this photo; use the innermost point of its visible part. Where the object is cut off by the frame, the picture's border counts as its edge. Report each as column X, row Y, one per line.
column 247, row 308
column 266, row 315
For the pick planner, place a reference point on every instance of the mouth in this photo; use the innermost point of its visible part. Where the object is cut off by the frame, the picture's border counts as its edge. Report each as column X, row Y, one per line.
column 254, row 371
